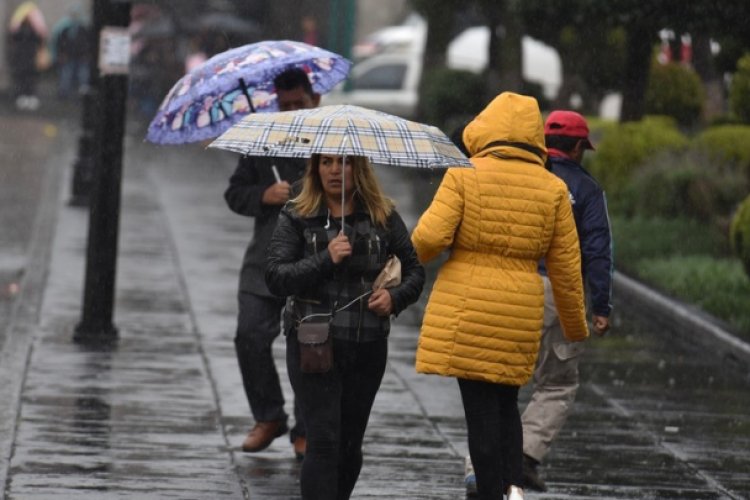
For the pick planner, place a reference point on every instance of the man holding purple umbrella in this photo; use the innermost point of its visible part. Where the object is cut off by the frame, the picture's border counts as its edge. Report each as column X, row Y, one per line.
column 259, row 188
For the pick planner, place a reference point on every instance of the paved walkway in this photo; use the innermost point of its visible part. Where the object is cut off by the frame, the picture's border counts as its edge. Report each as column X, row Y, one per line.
column 161, row 413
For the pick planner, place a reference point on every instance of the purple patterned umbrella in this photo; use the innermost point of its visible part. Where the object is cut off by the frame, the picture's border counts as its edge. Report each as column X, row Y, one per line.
column 218, row 93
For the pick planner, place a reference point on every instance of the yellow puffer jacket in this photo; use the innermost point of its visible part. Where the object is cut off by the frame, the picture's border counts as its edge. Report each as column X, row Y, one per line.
column 484, row 316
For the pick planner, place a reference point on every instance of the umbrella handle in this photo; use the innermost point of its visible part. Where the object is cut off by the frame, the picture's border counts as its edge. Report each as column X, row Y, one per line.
column 245, row 91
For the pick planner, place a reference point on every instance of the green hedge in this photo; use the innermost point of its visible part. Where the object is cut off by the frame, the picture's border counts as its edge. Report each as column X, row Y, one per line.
column 623, row 147
column 685, row 184
column 739, row 234
column 739, row 93
column 725, row 144
column 451, row 96
column 675, row 90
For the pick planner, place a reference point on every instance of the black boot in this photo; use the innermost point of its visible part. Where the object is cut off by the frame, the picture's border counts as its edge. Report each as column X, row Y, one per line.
column 531, row 479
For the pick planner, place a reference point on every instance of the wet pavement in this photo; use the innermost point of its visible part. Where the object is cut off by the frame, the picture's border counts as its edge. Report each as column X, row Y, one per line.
column 161, row 413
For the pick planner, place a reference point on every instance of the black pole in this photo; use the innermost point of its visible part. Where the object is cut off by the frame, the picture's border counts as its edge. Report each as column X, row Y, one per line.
column 84, row 165
column 104, row 217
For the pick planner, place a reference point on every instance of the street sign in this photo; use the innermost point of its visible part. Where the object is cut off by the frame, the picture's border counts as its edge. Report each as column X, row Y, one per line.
column 114, row 51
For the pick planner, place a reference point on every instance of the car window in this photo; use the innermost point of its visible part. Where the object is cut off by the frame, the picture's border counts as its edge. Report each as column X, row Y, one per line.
column 385, row 77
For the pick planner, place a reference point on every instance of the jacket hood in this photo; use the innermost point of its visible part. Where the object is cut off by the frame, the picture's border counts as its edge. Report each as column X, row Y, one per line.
column 511, row 127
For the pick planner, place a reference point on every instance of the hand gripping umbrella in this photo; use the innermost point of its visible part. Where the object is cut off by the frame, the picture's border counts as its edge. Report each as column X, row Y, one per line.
column 216, row 94
column 343, row 130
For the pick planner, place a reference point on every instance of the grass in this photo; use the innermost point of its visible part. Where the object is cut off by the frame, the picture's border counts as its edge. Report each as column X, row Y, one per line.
column 687, row 260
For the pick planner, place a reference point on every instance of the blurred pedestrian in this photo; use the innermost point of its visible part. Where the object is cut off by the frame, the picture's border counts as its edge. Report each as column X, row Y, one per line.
column 329, row 270
column 484, row 316
column 70, row 53
column 556, row 375
column 259, row 188
column 27, row 34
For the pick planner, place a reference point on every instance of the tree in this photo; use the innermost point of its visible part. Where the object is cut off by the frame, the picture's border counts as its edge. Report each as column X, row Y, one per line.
column 505, row 59
column 439, row 15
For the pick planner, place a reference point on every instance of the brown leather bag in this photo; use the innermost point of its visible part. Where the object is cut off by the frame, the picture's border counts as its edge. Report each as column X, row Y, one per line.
column 315, row 347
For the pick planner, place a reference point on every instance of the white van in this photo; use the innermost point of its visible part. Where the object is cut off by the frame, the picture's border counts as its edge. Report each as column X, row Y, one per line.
column 389, row 80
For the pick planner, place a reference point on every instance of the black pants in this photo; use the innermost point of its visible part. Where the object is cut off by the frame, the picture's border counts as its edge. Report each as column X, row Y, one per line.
column 258, row 325
column 495, row 438
column 336, row 407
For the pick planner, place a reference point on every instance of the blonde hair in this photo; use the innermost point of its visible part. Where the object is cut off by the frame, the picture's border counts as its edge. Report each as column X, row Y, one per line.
column 366, row 188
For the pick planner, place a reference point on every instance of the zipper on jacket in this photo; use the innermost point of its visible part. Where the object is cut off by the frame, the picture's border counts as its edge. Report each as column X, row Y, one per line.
column 315, row 243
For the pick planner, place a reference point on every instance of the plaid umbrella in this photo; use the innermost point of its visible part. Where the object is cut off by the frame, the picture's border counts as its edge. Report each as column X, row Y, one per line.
column 219, row 92
column 342, row 130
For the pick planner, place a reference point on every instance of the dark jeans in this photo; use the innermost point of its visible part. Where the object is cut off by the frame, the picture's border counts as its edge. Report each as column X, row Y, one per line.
column 495, row 438
column 336, row 407
column 258, row 325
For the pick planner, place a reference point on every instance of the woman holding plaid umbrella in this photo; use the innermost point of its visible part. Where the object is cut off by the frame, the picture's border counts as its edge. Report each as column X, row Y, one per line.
column 327, row 271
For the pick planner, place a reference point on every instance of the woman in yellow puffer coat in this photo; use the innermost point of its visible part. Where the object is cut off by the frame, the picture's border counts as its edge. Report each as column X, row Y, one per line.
column 484, row 316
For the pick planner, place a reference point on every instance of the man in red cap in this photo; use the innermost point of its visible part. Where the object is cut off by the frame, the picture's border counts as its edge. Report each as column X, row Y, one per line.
column 556, row 373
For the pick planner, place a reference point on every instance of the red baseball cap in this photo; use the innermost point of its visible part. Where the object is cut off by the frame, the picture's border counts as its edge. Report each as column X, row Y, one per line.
column 568, row 124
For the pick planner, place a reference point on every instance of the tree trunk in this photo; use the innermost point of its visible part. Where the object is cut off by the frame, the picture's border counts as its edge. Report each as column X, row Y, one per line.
column 504, row 71
column 703, row 61
column 637, row 68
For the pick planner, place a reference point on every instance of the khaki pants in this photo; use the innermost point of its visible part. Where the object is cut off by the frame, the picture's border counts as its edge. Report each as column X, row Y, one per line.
column 555, row 383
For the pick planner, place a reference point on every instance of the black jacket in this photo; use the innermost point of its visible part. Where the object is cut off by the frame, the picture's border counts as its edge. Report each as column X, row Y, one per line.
column 300, row 267
column 246, row 186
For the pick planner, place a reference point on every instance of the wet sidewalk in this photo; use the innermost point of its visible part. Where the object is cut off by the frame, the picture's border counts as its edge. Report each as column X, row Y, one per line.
column 161, row 413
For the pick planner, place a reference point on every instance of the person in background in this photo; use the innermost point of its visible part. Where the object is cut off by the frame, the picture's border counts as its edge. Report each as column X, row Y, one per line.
column 327, row 267
column 556, row 374
column 484, row 316
column 259, row 188
column 27, row 34
column 69, row 47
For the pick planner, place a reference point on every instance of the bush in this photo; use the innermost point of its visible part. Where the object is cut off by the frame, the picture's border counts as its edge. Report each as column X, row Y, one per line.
column 623, row 147
column 686, row 184
column 726, row 144
column 675, row 90
column 739, row 93
column 641, row 238
column 739, row 234
column 451, row 96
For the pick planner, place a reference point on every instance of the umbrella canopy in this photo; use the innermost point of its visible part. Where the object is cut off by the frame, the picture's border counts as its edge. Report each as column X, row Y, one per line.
column 343, row 130
column 215, row 95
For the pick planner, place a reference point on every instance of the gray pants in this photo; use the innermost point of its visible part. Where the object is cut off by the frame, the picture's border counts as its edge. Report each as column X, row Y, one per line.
column 555, row 383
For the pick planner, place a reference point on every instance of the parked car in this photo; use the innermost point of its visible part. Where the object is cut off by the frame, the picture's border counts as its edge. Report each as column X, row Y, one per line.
column 388, row 77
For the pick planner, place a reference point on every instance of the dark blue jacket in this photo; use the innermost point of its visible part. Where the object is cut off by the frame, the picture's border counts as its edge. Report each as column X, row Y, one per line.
column 592, row 222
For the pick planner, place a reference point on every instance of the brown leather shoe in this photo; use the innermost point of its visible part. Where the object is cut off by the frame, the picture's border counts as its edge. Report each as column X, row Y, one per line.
column 300, row 446
column 263, row 434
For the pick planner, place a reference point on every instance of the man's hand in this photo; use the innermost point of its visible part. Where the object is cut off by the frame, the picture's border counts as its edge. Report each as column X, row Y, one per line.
column 601, row 324
column 380, row 302
column 339, row 248
column 277, row 194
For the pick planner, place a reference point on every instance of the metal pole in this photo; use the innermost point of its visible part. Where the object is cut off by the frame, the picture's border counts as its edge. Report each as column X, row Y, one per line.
column 104, row 218
column 85, row 163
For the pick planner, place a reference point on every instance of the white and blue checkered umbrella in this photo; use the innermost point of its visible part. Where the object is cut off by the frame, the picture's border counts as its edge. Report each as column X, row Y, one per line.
column 342, row 130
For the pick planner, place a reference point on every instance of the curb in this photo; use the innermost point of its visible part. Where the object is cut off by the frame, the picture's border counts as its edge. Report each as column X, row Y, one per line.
column 684, row 321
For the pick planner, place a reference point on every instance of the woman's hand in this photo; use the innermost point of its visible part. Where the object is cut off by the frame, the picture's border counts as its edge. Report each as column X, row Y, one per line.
column 380, row 302
column 339, row 248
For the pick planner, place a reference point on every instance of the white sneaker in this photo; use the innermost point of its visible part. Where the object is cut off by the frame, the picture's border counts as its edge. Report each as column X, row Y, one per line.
column 470, row 479
column 515, row 493
column 32, row 102
column 21, row 102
